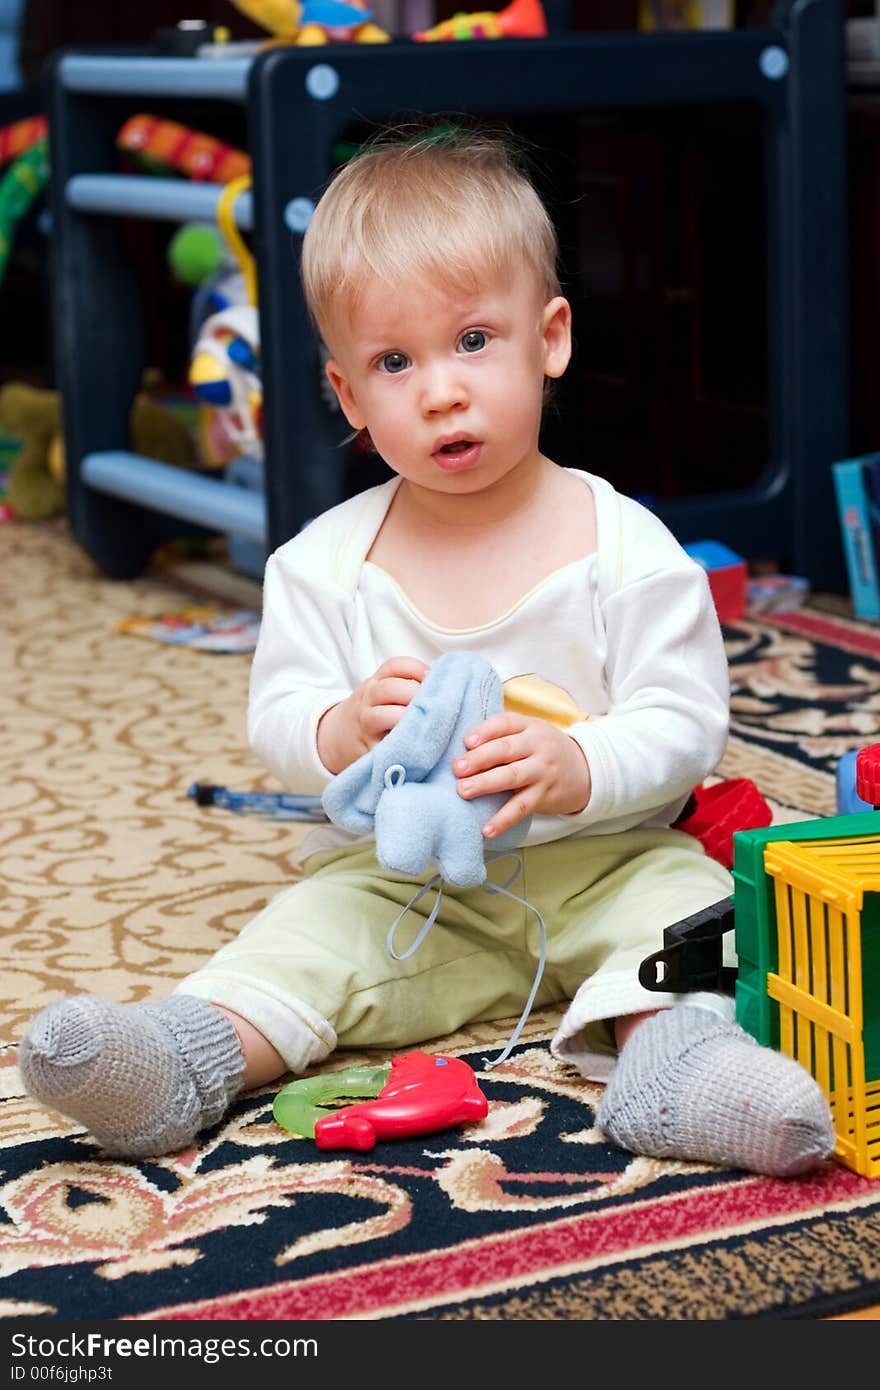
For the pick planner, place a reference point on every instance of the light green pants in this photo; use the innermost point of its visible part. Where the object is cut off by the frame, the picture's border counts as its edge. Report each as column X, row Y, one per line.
column 312, row 970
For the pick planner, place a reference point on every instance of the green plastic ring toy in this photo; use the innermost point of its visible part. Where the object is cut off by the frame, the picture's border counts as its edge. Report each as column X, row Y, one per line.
column 299, row 1106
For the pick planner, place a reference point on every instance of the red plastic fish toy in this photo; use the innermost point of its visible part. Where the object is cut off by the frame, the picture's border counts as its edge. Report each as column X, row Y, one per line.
column 423, row 1094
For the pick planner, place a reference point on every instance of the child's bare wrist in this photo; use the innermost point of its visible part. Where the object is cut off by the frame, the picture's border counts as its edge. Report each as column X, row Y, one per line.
column 331, row 749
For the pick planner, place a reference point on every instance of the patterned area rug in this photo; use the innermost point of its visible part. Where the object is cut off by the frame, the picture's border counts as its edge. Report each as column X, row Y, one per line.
column 115, row 882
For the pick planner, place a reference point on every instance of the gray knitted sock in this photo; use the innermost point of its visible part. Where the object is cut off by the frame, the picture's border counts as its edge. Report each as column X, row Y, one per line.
column 688, row 1085
column 143, row 1078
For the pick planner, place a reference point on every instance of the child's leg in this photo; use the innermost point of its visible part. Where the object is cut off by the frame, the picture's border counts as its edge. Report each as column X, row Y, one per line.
column 311, row 969
column 690, row 1085
column 262, row 1063
column 143, row 1078
column 688, row 1082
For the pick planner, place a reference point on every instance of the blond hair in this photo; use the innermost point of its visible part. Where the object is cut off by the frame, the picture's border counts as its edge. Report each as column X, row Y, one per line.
column 445, row 206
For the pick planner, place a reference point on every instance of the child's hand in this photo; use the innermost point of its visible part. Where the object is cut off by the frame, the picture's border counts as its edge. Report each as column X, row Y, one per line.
column 544, row 769
column 348, row 730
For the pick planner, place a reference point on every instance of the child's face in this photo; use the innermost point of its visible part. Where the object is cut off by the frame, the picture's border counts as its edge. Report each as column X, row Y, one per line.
column 450, row 384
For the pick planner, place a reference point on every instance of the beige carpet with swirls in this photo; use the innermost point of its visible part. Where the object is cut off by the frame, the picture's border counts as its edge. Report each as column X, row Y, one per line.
column 114, row 880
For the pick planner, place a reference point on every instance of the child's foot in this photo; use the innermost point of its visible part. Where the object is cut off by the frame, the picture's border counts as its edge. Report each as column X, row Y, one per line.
column 143, row 1078
column 688, row 1085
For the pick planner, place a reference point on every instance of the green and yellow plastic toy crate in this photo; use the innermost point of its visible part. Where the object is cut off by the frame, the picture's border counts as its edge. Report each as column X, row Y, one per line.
column 808, row 946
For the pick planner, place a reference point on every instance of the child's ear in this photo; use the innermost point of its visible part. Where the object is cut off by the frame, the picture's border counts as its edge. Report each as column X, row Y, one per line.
column 556, row 331
column 344, row 394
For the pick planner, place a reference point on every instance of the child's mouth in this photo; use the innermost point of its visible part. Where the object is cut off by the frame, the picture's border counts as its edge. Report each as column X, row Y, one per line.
column 458, row 454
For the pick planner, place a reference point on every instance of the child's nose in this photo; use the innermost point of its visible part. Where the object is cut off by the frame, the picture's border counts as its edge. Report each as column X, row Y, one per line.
column 442, row 390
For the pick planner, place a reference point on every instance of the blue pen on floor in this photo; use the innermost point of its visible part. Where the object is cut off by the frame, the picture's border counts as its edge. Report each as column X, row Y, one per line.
column 274, row 805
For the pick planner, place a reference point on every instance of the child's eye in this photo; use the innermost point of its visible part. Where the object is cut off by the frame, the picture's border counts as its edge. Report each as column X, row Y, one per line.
column 472, row 341
column 394, row 362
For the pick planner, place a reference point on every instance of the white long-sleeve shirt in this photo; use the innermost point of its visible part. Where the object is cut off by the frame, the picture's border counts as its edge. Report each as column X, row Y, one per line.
column 622, row 647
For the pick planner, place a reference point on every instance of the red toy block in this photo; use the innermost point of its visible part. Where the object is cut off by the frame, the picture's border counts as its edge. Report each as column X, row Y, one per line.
column 722, row 810
column 727, row 573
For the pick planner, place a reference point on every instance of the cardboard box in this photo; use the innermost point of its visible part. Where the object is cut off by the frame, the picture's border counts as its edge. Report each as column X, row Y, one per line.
column 857, row 487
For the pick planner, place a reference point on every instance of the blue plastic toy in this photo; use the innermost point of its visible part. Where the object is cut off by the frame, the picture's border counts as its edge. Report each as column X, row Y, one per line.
column 851, row 779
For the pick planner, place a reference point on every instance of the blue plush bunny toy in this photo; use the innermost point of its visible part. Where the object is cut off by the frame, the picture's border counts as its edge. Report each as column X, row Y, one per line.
column 405, row 788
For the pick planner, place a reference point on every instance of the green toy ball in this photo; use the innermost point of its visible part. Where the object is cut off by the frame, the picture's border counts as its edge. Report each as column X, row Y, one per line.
column 196, row 252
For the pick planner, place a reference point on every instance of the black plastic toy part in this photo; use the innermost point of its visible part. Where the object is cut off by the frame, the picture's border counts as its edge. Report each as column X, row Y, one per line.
column 691, row 958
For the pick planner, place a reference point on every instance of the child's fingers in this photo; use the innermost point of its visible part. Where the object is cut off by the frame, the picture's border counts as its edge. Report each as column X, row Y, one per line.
column 408, row 667
column 394, row 690
column 506, row 777
column 511, row 813
column 381, row 719
column 493, row 728
column 494, row 752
